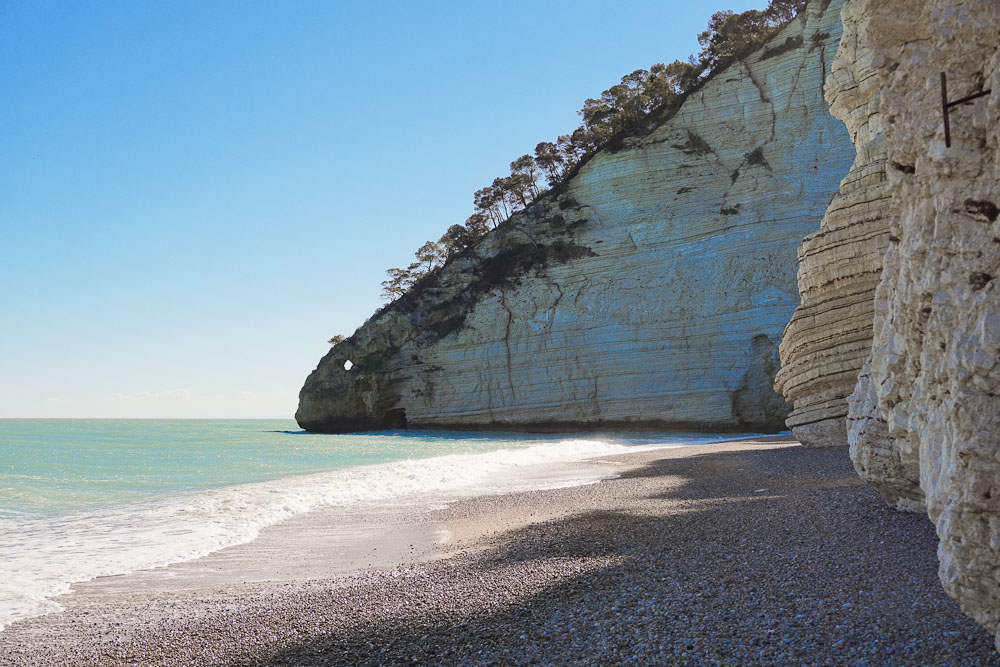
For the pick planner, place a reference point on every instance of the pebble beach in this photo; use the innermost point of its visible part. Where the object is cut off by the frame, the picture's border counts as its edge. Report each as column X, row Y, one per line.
column 744, row 552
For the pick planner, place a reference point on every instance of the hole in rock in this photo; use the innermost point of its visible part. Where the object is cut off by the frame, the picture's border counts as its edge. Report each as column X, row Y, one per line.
column 979, row 280
column 348, row 365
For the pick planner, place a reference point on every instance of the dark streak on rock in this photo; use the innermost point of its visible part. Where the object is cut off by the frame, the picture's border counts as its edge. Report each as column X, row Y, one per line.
column 983, row 211
column 979, row 280
column 822, row 67
column 756, row 158
column 905, row 168
column 757, row 84
column 789, row 44
column 566, row 202
column 695, row 145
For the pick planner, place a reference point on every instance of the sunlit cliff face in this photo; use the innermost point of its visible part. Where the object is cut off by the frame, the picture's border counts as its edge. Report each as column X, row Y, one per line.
column 651, row 292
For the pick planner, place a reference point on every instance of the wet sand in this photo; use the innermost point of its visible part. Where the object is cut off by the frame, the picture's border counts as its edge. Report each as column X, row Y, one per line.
column 747, row 552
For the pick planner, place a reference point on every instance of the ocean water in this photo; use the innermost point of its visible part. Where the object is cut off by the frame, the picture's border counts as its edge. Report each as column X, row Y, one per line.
column 86, row 498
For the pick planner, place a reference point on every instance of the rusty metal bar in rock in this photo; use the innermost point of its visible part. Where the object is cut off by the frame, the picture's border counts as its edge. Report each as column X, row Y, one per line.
column 945, row 105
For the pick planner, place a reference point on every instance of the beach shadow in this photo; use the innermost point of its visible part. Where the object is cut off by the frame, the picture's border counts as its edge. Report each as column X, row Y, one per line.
column 670, row 564
column 685, row 575
column 748, row 473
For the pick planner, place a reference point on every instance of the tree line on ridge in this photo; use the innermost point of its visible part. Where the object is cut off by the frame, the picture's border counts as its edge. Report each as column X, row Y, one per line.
column 622, row 110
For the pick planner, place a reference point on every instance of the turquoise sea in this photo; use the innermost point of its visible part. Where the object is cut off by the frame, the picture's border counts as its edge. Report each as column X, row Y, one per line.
column 81, row 498
column 53, row 466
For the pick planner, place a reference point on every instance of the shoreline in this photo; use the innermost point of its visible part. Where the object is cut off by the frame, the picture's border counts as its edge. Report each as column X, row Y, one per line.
column 741, row 551
column 329, row 541
column 79, row 546
column 568, row 427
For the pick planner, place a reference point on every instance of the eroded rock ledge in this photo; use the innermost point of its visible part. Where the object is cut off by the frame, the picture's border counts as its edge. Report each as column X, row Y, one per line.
column 652, row 292
column 925, row 416
column 829, row 336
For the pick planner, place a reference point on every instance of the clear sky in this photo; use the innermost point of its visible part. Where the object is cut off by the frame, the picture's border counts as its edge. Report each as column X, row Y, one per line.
column 194, row 196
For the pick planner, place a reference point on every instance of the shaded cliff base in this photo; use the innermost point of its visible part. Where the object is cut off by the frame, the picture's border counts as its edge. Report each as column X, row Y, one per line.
column 741, row 552
column 396, row 420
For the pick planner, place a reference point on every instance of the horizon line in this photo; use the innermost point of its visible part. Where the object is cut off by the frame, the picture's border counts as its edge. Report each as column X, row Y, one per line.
column 157, row 418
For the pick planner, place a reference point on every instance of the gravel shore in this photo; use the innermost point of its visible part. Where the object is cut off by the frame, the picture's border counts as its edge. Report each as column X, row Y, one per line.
column 747, row 552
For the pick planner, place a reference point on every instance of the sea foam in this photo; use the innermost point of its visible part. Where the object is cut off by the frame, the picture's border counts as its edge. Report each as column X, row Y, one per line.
column 41, row 557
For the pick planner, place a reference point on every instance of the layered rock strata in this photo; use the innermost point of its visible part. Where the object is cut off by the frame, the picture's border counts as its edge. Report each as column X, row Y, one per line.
column 934, row 373
column 651, row 291
column 876, row 456
column 829, row 336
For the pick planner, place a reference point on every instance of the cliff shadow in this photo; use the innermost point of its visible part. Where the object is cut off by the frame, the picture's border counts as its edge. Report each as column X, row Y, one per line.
column 749, row 472
column 672, row 570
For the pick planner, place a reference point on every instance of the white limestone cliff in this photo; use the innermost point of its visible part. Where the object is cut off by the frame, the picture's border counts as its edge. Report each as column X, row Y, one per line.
column 927, row 407
column 829, row 336
column 652, row 291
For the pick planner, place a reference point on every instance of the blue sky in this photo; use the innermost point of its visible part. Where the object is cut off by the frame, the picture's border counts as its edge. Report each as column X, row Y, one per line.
column 194, row 196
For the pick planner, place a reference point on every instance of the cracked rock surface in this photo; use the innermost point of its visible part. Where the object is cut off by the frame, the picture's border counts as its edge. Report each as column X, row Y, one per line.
column 829, row 336
column 934, row 376
column 653, row 291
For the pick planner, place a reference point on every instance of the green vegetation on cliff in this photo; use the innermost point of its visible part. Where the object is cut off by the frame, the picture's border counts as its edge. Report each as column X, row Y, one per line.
column 642, row 100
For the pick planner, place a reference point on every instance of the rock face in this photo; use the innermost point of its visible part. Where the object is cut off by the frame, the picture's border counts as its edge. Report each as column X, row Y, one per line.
column 652, row 291
column 829, row 336
column 927, row 407
column 879, row 460
column 876, row 456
